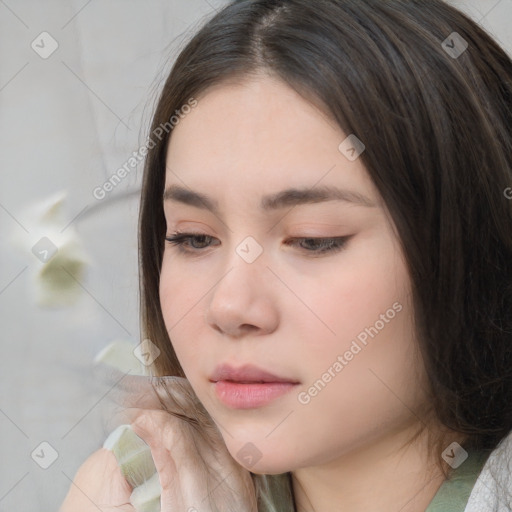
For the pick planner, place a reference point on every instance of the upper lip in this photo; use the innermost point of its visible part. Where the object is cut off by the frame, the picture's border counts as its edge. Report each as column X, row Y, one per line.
column 246, row 373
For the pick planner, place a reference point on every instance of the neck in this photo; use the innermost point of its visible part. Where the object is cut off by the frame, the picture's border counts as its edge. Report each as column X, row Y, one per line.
column 383, row 475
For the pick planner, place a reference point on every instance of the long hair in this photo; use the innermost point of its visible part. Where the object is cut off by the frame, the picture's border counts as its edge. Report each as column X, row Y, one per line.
column 429, row 93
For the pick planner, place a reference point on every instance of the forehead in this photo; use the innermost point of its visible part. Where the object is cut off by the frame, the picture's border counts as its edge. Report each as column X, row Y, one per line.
column 259, row 135
column 241, row 117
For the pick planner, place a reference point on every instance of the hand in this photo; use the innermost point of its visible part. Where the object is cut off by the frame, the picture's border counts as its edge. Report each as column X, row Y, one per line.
column 196, row 471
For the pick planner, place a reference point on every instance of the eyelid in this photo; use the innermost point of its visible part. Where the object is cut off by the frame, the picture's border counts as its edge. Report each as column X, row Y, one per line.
column 326, row 245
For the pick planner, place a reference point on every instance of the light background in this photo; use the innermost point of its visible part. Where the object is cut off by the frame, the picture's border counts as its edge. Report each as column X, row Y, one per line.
column 67, row 123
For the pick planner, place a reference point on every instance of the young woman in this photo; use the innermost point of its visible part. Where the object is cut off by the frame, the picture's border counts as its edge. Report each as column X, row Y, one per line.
column 326, row 260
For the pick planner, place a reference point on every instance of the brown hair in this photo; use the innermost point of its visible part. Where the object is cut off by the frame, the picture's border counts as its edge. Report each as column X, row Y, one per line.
column 437, row 130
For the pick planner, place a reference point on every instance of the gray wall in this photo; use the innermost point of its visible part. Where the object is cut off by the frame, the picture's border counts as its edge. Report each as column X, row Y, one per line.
column 68, row 120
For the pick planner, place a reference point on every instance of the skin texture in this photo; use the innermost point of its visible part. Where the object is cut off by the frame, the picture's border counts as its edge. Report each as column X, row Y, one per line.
column 292, row 312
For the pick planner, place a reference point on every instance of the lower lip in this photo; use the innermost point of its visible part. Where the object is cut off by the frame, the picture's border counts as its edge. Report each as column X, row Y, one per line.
column 249, row 396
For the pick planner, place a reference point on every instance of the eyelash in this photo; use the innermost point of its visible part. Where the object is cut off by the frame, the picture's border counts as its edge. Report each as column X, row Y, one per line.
column 328, row 245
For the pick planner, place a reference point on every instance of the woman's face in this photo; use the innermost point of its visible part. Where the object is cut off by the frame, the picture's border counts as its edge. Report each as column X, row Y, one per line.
column 332, row 317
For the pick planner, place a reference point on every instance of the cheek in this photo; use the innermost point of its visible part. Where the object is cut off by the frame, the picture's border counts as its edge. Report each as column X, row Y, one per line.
column 364, row 291
column 367, row 339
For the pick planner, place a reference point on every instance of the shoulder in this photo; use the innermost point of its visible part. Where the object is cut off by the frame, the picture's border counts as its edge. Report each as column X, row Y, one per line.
column 98, row 481
column 493, row 489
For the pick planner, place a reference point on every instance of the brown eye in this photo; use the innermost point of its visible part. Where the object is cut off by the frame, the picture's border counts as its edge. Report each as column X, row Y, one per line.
column 192, row 241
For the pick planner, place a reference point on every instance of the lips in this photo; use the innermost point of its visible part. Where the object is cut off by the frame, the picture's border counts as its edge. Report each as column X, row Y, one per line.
column 247, row 374
column 249, row 387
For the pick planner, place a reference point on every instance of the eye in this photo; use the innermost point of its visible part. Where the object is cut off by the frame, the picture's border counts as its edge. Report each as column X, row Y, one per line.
column 184, row 239
column 193, row 242
column 322, row 245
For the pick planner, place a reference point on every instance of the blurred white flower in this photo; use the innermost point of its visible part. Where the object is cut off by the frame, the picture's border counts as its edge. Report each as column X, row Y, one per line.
column 56, row 278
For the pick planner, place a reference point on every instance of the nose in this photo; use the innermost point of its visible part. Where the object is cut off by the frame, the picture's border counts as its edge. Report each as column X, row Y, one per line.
column 243, row 301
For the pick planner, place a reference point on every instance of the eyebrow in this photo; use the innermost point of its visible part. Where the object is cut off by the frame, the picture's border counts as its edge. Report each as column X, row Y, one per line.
column 276, row 201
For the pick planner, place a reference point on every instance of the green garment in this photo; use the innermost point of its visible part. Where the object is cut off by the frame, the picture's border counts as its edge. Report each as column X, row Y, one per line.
column 453, row 495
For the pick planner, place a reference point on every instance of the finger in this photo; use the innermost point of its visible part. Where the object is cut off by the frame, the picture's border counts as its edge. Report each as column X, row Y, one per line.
column 154, row 429
column 189, row 469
